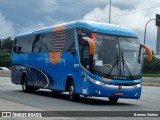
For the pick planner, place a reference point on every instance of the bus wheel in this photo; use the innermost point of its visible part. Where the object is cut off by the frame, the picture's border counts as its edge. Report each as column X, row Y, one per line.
column 113, row 100
column 25, row 87
column 73, row 96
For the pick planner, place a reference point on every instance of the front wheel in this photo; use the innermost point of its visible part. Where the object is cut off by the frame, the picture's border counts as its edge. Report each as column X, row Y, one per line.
column 113, row 100
column 73, row 96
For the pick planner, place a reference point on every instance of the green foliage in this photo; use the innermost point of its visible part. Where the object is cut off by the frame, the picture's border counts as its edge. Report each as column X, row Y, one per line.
column 5, row 52
column 152, row 67
column 151, row 75
column 7, row 44
column 5, row 58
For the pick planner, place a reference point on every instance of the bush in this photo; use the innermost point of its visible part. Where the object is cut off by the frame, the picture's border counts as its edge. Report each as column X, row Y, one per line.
column 5, row 58
column 152, row 67
column 5, row 52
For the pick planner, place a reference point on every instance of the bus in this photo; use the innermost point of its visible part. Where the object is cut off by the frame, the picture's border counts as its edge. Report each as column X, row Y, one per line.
column 83, row 58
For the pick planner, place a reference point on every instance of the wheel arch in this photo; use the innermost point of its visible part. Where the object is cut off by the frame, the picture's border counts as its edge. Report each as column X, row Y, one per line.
column 69, row 80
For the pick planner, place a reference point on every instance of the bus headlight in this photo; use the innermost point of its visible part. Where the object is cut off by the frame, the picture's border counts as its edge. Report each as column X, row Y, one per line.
column 95, row 81
column 137, row 86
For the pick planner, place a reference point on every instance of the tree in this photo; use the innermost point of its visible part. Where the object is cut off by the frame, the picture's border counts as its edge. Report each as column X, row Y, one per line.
column 5, row 58
column 7, row 44
column 152, row 67
column 5, row 52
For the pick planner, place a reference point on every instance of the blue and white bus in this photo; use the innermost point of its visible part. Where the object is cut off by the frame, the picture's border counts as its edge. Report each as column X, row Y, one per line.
column 81, row 57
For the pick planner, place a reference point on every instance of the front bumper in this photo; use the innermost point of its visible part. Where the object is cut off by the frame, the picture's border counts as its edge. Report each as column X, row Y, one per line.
column 116, row 91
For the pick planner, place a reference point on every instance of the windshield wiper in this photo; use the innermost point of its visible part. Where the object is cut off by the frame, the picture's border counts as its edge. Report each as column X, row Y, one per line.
column 125, row 64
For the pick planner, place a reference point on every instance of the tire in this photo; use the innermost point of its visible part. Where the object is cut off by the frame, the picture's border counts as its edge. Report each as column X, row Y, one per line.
column 25, row 87
column 113, row 100
column 73, row 96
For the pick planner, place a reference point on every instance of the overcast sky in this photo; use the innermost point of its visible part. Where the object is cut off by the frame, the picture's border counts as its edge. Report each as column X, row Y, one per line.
column 18, row 16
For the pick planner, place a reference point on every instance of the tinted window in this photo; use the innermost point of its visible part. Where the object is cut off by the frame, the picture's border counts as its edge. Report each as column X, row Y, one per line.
column 24, row 44
column 36, row 44
column 69, row 43
column 57, row 43
column 53, row 41
column 84, row 52
column 46, row 42
column 27, row 44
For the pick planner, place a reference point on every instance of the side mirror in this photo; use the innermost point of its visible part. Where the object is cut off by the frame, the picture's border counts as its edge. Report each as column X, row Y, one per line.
column 91, row 45
column 149, row 51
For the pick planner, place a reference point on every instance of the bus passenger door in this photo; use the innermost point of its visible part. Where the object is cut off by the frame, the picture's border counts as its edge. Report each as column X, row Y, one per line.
column 77, row 72
column 84, row 58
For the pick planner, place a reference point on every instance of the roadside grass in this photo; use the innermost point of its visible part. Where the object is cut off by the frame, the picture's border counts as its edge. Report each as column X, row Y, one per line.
column 151, row 75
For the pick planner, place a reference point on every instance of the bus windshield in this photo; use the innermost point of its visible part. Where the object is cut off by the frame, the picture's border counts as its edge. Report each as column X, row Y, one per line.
column 117, row 57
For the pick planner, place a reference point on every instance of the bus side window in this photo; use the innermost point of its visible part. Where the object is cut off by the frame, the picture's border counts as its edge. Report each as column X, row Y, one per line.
column 36, row 44
column 57, row 43
column 85, row 55
column 46, row 42
column 19, row 46
column 70, row 42
column 19, row 50
column 84, row 52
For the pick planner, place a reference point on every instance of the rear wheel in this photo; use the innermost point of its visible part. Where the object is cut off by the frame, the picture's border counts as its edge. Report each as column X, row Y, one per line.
column 73, row 96
column 25, row 87
column 113, row 100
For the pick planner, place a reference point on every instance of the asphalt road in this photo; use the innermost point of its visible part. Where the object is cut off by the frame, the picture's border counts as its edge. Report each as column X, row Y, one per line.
column 44, row 100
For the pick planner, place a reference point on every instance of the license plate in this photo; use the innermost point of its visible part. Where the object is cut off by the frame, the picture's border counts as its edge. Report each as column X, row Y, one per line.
column 119, row 93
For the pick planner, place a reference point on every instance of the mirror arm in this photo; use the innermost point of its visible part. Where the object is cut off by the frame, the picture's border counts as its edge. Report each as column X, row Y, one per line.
column 92, row 48
column 149, row 51
column 92, row 45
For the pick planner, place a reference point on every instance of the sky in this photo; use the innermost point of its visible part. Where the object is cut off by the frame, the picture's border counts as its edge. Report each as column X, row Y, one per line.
column 20, row 16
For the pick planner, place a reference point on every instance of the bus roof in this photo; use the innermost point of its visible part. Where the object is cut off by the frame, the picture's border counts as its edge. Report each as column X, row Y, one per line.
column 90, row 25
